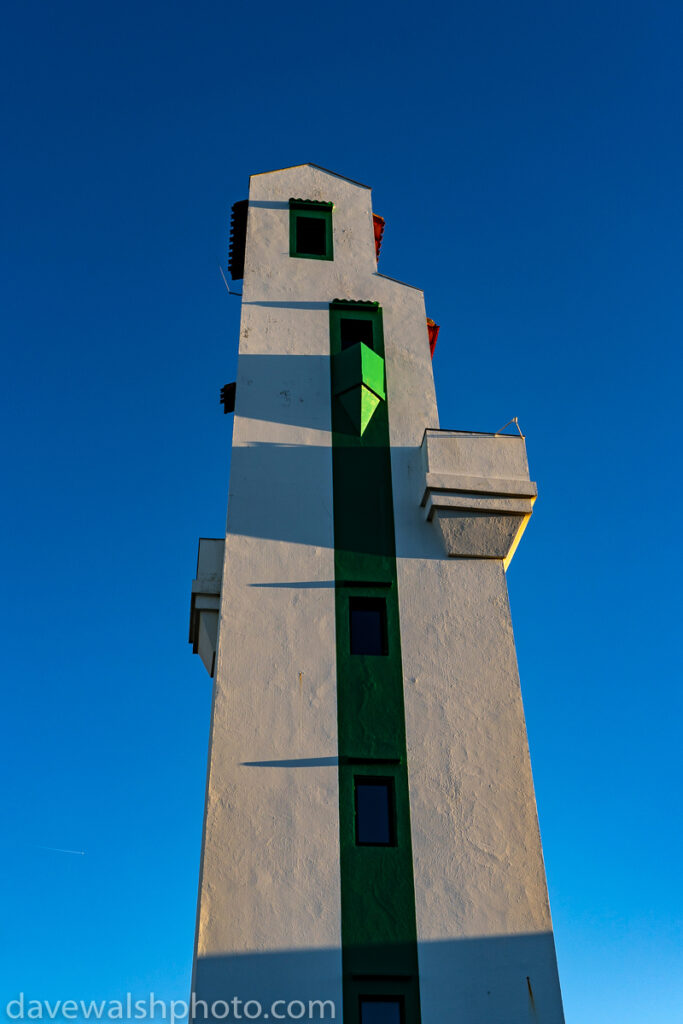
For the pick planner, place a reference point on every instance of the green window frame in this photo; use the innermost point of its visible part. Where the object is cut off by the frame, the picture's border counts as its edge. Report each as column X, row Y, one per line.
column 311, row 210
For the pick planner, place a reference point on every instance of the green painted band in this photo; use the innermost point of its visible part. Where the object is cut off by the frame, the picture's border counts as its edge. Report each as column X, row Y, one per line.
column 379, row 934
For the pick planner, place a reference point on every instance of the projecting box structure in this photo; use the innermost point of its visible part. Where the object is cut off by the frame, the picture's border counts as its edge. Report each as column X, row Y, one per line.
column 370, row 834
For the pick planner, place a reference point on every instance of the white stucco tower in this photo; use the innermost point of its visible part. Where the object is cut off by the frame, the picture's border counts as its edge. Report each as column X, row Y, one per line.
column 370, row 833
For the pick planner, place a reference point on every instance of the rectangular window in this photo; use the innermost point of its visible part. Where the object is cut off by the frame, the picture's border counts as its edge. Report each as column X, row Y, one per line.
column 381, row 1010
column 375, row 811
column 310, row 236
column 352, row 331
column 310, row 229
column 368, row 625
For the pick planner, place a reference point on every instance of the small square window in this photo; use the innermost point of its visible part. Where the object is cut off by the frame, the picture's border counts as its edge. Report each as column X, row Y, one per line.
column 375, row 811
column 381, row 1010
column 310, row 229
column 352, row 331
column 368, row 625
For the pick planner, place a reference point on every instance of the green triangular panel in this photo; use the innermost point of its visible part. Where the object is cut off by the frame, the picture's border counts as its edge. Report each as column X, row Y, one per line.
column 372, row 368
column 359, row 405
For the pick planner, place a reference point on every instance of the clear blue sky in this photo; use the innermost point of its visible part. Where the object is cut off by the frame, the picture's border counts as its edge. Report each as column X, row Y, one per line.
column 527, row 158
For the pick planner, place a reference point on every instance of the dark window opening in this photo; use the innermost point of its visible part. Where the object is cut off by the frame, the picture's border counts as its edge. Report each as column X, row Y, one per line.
column 381, row 1010
column 375, row 811
column 353, row 331
column 311, row 236
column 368, row 625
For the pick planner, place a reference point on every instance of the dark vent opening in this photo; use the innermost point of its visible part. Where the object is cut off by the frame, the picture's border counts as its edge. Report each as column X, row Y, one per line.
column 228, row 397
column 238, row 239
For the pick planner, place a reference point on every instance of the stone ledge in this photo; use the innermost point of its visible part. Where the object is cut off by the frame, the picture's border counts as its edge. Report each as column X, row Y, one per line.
column 205, row 601
column 438, row 501
column 479, row 485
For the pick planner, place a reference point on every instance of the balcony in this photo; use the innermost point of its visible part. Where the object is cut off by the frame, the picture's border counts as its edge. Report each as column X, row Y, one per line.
column 205, row 601
column 477, row 493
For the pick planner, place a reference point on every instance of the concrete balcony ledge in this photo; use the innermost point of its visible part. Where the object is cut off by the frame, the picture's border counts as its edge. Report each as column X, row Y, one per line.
column 477, row 492
column 205, row 600
column 480, row 485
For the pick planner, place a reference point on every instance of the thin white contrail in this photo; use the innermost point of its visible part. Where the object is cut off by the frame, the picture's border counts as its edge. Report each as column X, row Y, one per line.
column 58, row 849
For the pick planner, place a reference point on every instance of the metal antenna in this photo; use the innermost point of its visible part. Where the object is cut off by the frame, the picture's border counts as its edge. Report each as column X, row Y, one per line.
column 225, row 282
column 516, row 423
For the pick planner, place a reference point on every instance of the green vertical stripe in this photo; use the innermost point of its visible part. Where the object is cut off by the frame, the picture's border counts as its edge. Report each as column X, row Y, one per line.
column 379, row 936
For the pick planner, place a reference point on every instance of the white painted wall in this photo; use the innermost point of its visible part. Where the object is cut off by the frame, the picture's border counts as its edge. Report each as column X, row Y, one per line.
column 269, row 902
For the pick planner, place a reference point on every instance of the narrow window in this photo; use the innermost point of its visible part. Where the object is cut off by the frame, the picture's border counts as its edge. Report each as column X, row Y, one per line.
column 381, row 1010
column 310, row 229
column 375, row 811
column 368, row 625
column 352, row 331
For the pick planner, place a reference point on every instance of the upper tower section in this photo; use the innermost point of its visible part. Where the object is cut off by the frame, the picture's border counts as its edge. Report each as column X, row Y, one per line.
column 309, row 234
column 303, row 231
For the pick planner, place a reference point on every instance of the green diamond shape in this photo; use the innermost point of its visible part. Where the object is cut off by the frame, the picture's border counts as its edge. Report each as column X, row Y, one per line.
column 359, row 404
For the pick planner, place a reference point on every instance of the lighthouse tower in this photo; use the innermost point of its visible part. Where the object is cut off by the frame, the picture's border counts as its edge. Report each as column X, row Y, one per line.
column 371, row 850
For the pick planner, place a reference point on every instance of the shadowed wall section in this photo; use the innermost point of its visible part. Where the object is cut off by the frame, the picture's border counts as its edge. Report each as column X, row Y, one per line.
column 520, row 980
